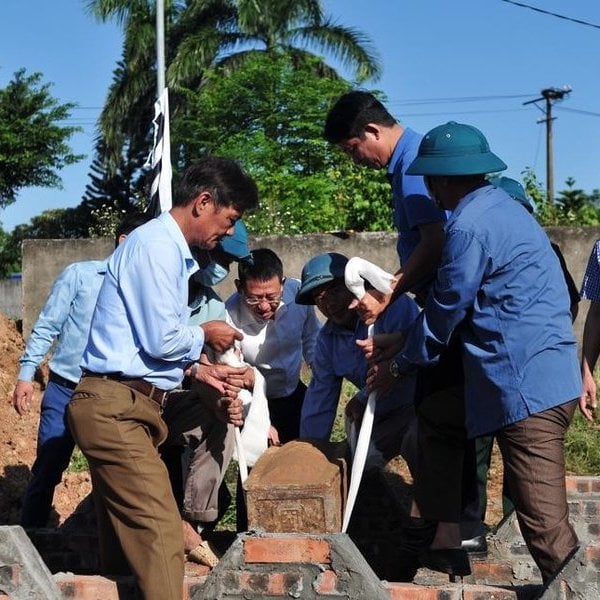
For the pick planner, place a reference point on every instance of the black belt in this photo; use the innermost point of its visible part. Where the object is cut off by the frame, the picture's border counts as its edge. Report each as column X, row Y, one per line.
column 55, row 378
column 139, row 385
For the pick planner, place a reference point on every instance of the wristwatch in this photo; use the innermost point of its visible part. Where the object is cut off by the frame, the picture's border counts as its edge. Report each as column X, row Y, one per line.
column 394, row 369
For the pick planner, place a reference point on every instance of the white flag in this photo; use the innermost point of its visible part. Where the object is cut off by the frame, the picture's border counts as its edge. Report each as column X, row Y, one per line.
column 160, row 158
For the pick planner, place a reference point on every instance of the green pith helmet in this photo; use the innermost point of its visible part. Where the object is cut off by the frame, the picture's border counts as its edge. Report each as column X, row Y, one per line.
column 514, row 189
column 455, row 149
column 320, row 269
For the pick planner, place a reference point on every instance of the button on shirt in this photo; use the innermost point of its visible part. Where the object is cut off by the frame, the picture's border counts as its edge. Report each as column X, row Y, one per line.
column 140, row 325
column 276, row 347
column 337, row 357
column 66, row 318
column 591, row 280
column 500, row 276
column 412, row 204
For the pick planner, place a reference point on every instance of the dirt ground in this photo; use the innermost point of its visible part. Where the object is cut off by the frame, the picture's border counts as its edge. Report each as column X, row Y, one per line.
column 18, row 445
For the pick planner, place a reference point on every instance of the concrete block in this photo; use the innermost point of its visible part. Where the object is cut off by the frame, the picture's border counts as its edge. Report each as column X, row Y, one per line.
column 299, row 487
column 327, row 566
column 25, row 575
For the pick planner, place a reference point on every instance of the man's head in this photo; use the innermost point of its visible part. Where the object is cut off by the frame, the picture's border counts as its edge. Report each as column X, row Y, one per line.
column 363, row 128
column 212, row 195
column 129, row 223
column 322, row 283
column 514, row 189
column 216, row 263
column 454, row 159
column 260, row 282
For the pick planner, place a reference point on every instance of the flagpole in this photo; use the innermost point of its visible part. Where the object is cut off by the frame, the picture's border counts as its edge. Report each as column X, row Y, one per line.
column 160, row 47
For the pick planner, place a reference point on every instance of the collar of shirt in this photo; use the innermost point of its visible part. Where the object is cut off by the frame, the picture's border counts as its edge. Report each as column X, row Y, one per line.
column 175, row 232
column 402, row 145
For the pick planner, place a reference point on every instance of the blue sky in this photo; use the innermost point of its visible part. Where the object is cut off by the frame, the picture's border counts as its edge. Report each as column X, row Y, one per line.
column 473, row 61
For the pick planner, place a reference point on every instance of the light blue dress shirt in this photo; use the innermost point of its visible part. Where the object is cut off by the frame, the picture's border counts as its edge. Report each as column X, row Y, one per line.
column 337, row 357
column 66, row 318
column 412, row 204
column 500, row 286
column 140, row 326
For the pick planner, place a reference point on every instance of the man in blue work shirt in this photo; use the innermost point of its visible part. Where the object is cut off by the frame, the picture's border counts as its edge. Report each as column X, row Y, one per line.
column 363, row 128
column 338, row 357
column 65, row 318
column 501, row 289
column 139, row 347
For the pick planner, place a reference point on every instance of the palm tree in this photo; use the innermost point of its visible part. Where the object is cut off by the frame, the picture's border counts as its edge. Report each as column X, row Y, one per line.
column 222, row 34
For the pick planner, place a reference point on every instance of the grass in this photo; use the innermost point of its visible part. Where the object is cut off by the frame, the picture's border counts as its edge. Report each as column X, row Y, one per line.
column 78, row 462
column 582, row 447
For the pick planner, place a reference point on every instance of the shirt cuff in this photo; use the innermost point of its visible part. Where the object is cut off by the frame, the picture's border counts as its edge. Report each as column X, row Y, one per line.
column 27, row 372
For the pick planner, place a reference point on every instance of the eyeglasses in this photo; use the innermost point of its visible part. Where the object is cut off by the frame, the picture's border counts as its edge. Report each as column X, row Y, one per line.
column 255, row 301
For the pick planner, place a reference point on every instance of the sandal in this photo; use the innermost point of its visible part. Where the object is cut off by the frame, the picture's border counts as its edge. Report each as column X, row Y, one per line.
column 203, row 554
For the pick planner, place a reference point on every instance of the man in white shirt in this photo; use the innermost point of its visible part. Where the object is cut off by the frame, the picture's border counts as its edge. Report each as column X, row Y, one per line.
column 278, row 335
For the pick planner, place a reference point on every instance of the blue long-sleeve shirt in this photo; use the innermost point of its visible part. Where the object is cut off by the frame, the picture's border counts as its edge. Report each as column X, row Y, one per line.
column 337, row 357
column 500, row 286
column 140, row 328
column 412, row 205
column 65, row 318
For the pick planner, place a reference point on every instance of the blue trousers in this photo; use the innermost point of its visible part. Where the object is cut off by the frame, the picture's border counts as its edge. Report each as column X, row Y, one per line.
column 54, row 448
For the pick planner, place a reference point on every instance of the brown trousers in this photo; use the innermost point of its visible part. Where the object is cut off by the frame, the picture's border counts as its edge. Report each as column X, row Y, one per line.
column 534, row 465
column 208, row 445
column 118, row 430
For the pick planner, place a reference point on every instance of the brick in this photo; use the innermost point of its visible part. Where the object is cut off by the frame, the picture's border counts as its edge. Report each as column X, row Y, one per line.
column 484, row 592
column 287, row 550
column 191, row 585
column 592, row 555
column 283, row 496
column 591, row 508
column 87, row 587
column 12, row 574
column 272, row 584
column 326, row 582
column 410, row 591
column 489, row 570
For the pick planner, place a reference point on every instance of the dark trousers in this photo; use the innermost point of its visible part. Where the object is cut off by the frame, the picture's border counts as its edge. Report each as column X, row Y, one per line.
column 446, row 480
column 54, row 448
column 534, row 463
column 483, row 447
column 285, row 413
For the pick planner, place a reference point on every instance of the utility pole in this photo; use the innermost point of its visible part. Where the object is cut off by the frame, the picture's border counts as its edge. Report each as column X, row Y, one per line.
column 550, row 95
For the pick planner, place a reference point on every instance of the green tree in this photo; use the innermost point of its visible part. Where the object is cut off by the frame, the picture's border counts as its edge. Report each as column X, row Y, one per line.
column 205, row 33
column 33, row 146
column 572, row 207
column 270, row 113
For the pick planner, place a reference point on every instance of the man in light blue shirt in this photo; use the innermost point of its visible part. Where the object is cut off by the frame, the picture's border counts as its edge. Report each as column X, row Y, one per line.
column 139, row 347
column 501, row 289
column 65, row 318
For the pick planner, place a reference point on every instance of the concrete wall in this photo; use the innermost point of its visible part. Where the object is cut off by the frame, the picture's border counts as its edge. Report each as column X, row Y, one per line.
column 43, row 260
column 10, row 298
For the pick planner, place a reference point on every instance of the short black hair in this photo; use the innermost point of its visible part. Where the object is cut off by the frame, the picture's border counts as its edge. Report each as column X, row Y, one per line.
column 264, row 266
column 351, row 113
column 130, row 222
column 223, row 178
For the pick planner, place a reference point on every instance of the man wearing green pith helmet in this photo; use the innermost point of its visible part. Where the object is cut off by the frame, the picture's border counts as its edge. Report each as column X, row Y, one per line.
column 500, row 289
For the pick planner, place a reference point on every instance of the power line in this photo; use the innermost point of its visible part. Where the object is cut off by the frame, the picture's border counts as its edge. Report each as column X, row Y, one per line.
column 455, row 99
column 547, row 12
